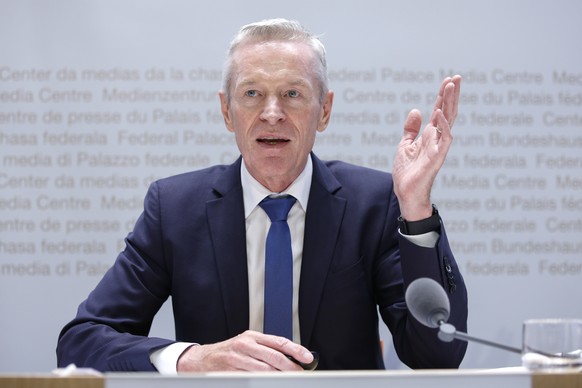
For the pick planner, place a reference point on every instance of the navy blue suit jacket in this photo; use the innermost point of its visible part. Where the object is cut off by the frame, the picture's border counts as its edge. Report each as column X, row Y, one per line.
column 189, row 244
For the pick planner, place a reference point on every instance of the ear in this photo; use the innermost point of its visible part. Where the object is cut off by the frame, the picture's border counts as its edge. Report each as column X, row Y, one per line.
column 326, row 115
column 225, row 111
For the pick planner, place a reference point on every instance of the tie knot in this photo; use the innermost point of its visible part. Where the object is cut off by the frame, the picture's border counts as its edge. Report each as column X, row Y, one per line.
column 277, row 208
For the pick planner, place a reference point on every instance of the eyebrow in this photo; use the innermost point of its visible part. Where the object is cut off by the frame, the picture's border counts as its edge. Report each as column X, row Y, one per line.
column 251, row 82
column 299, row 82
column 247, row 82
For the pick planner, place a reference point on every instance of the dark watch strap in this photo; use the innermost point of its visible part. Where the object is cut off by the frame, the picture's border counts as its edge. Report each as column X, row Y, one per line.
column 432, row 223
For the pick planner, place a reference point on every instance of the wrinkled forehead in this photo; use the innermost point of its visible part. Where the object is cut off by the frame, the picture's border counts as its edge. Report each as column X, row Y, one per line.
column 275, row 55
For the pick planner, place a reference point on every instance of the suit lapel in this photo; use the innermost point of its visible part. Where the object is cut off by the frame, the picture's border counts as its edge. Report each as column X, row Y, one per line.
column 227, row 227
column 322, row 224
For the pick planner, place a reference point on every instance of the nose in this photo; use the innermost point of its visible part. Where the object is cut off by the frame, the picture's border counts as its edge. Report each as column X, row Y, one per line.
column 272, row 111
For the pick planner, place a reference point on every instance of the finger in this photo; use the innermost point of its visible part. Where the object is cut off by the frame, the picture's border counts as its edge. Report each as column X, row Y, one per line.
column 457, row 81
column 278, row 348
column 449, row 107
column 242, row 352
column 277, row 360
column 443, row 132
column 433, row 130
column 287, row 347
column 438, row 104
column 452, row 94
column 412, row 125
column 298, row 352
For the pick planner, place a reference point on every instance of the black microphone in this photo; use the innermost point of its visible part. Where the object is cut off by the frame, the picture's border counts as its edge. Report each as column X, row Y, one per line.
column 429, row 304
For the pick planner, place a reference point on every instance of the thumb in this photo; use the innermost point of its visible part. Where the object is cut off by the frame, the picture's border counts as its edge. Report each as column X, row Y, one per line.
column 412, row 125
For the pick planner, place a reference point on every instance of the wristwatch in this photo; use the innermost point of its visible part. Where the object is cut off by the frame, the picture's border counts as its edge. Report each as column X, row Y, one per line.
column 429, row 224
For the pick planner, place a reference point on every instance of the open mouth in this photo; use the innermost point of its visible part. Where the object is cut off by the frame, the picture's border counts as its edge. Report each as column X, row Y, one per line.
column 272, row 141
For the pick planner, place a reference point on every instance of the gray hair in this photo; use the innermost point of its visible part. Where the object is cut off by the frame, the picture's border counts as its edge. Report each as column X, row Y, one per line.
column 275, row 30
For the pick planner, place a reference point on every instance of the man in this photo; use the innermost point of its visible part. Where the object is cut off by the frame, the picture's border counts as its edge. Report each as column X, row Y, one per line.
column 201, row 237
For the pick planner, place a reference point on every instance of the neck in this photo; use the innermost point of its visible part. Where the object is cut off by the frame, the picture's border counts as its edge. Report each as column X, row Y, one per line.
column 276, row 184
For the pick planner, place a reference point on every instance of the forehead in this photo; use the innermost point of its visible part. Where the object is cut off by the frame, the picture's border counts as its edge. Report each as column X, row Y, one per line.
column 274, row 60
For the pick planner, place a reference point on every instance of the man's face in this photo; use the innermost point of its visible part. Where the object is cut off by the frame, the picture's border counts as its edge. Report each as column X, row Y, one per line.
column 275, row 108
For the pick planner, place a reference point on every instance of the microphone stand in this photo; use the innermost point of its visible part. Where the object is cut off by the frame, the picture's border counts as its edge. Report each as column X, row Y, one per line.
column 448, row 332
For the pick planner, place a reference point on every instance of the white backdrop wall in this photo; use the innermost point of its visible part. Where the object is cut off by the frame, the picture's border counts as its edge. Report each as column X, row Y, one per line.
column 99, row 98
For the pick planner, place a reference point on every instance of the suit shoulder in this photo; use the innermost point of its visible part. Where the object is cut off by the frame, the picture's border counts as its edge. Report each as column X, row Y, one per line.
column 208, row 174
column 199, row 183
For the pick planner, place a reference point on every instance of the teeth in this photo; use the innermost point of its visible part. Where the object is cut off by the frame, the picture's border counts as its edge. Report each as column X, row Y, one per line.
column 272, row 141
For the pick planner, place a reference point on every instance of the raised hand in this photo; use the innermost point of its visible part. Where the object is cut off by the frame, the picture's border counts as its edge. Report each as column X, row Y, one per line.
column 420, row 157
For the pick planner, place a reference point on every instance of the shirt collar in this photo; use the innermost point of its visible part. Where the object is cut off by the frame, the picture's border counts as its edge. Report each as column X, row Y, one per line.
column 254, row 192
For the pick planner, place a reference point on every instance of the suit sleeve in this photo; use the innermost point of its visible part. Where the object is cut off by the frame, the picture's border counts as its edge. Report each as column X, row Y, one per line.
column 417, row 345
column 110, row 330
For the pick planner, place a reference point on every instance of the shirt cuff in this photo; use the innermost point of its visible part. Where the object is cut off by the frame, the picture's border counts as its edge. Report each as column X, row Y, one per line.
column 166, row 359
column 425, row 240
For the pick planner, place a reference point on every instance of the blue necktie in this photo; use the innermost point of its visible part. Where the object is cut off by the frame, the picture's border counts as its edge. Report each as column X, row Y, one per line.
column 278, row 269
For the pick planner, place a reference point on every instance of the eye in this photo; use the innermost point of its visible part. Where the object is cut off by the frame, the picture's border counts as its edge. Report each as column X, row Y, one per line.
column 293, row 93
column 251, row 93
